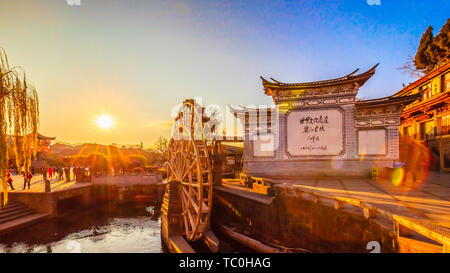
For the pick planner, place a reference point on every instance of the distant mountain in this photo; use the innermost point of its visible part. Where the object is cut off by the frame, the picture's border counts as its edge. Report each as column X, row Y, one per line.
column 62, row 150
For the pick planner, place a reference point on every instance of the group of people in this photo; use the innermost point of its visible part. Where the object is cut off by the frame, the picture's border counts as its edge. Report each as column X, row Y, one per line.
column 82, row 174
column 26, row 179
column 58, row 172
column 47, row 173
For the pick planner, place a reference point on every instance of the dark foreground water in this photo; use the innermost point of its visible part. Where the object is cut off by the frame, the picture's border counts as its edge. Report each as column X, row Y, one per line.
column 105, row 228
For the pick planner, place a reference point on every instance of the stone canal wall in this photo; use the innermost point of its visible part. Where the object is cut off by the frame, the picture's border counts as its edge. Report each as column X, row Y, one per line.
column 317, row 168
column 87, row 194
column 293, row 222
column 47, row 202
column 149, row 193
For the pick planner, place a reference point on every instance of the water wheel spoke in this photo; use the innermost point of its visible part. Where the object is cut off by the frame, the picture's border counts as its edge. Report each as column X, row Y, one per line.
column 189, row 169
column 195, row 185
column 183, row 202
column 169, row 165
column 188, row 197
column 204, row 208
column 191, row 219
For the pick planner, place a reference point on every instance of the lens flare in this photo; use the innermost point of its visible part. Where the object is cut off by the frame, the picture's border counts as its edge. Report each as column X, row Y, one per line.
column 397, row 176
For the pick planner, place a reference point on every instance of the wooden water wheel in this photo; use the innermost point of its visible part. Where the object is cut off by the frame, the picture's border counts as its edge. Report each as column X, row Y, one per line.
column 189, row 163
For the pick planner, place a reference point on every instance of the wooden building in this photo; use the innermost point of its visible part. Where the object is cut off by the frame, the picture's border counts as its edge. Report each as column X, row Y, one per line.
column 427, row 119
column 44, row 143
column 429, row 116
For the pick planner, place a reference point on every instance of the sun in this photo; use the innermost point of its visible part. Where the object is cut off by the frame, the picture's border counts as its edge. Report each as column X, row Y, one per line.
column 105, row 121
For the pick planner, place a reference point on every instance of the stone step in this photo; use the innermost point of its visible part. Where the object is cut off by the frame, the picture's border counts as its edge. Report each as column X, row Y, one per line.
column 16, row 216
column 9, row 200
column 22, row 222
column 5, row 214
column 12, row 207
column 11, row 204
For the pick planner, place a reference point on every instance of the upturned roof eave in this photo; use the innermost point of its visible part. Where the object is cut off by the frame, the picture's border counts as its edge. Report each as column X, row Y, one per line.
column 349, row 78
column 387, row 101
column 432, row 74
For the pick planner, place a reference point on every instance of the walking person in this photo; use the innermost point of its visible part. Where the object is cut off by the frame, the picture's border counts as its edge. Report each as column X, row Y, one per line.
column 29, row 176
column 67, row 172
column 26, row 179
column 50, row 172
column 10, row 180
column 60, row 173
column 44, row 174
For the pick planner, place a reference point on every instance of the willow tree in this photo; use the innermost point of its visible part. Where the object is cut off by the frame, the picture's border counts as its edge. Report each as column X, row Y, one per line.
column 19, row 117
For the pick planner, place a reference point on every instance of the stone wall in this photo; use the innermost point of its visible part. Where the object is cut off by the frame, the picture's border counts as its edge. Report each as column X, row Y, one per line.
column 293, row 222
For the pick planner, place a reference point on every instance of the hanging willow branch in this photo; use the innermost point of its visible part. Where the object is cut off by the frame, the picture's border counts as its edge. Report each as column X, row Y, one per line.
column 19, row 117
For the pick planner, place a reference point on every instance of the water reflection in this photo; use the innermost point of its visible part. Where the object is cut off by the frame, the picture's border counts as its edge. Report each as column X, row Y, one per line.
column 106, row 228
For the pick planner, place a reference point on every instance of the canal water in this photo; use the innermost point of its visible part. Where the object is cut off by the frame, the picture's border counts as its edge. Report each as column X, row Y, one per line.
column 107, row 228
column 102, row 229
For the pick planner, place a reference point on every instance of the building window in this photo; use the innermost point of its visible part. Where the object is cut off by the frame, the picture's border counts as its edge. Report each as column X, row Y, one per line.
column 408, row 131
column 445, row 86
column 445, row 125
column 405, row 130
column 426, row 90
column 427, row 130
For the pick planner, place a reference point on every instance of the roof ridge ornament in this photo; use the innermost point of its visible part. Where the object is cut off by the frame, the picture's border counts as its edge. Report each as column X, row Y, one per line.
column 271, row 86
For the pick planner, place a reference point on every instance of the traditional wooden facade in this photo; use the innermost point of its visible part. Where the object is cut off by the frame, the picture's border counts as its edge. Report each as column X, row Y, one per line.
column 429, row 116
column 427, row 119
column 321, row 129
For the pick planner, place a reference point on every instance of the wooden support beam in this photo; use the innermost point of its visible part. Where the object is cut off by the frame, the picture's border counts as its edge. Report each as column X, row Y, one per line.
column 428, row 229
column 369, row 213
column 249, row 242
column 401, row 231
column 316, row 199
column 338, row 204
column 211, row 241
column 177, row 244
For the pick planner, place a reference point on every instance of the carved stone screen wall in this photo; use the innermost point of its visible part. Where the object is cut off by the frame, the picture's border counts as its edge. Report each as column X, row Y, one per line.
column 322, row 130
column 315, row 132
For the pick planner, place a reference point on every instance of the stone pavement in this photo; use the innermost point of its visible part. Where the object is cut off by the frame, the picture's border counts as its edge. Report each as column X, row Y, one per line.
column 428, row 200
column 37, row 184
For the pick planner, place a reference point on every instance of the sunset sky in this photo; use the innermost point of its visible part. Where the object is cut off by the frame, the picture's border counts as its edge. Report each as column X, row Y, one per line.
column 135, row 60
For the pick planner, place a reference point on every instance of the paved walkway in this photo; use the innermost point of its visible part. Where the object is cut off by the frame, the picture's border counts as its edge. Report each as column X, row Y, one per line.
column 429, row 200
column 37, row 184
